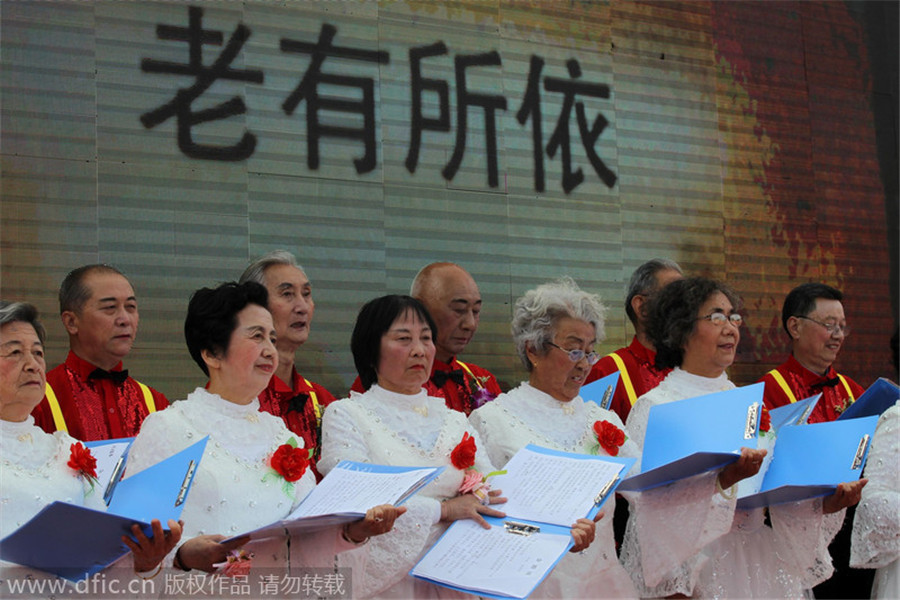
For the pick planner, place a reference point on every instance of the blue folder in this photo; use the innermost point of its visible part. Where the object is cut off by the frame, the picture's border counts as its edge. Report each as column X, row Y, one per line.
column 601, row 391
column 519, row 526
column 109, row 481
column 880, row 396
column 311, row 523
column 795, row 413
column 809, row 461
column 692, row 436
column 75, row 542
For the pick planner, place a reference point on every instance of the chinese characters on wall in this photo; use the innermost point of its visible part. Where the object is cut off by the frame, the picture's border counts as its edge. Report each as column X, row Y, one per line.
column 529, row 112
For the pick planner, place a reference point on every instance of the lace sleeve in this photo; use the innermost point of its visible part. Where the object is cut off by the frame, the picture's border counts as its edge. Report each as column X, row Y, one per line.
column 484, row 420
column 341, row 438
column 668, row 528
column 876, row 527
column 388, row 558
column 636, row 425
column 153, row 443
column 802, row 535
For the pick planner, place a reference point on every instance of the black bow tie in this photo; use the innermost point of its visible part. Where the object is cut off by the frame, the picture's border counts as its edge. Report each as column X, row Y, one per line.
column 440, row 377
column 117, row 377
column 297, row 403
column 827, row 383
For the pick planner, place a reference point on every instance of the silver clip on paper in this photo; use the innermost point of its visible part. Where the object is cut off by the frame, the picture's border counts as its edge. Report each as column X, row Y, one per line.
column 598, row 499
column 860, row 452
column 607, row 398
column 182, row 493
column 752, row 421
column 114, row 480
column 520, row 528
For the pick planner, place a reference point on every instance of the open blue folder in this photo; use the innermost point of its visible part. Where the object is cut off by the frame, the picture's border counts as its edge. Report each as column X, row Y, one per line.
column 880, row 396
column 346, row 493
column 809, row 461
column 111, row 456
column 696, row 435
column 75, row 542
column 601, row 391
column 532, row 548
column 795, row 413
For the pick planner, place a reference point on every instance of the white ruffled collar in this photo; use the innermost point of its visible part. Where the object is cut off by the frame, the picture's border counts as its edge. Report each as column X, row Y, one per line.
column 682, row 380
column 530, row 400
column 221, row 406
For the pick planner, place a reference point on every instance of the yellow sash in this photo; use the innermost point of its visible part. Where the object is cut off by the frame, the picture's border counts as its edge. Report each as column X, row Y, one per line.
column 784, row 386
column 469, row 371
column 315, row 401
column 626, row 379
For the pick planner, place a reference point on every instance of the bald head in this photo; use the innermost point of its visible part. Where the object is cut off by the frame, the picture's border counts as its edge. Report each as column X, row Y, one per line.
column 453, row 301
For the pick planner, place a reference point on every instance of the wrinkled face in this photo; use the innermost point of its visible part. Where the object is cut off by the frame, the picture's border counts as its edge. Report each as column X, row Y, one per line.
column 554, row 372
column 245, row 369
column 454, row 303
column 291, row 304
column 406, row 355
column 22, row 370
column 711, row 348
column 814, row 347
column 105, row 327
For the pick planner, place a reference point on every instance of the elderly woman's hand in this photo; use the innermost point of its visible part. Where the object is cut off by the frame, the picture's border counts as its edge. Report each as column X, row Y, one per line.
column 149, row 552
column 467, row 506
column 746, row 466
column 846, row 494
column 204, row 551
column 379, row 519
column 583, row 533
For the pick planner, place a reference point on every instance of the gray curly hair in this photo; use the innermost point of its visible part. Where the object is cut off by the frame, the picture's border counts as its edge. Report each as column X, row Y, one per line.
column 538, row 311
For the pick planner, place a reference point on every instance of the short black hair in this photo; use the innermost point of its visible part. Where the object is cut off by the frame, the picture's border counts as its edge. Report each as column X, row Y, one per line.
column 212, row 317
column 374, row 320
column 73, row 293
column 802, row 300
column 672, row 315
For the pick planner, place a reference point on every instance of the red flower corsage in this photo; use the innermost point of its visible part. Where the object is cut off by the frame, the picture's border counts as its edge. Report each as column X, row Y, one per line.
column 83, row 462
column 765, row 420
column 289, row 461
column 463, row 456
column 609, row 437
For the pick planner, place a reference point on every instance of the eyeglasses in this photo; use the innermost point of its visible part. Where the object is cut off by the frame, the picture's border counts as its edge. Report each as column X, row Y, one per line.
column 720, row 319
column 831, row 328
column 577, row 354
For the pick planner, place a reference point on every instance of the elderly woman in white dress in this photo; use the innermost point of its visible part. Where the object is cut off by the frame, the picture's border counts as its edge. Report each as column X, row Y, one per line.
column 695, row 327
column 555, row 328
column 875, row 541
column 254, row 470
column 395, row 422
column 39, row 468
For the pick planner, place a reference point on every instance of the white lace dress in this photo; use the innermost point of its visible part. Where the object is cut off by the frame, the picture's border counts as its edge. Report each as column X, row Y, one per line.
column 526, row 415
column 234, row 488
column 876, row 528
column 33, row 474
column 747, row 558
column 387, row 428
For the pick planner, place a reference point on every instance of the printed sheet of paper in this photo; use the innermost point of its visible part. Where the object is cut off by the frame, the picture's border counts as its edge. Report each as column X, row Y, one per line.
column 492, row 560
column 347, row 492
column 354, row 491
column 557, row 488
